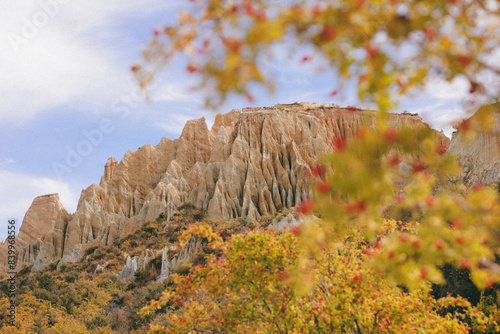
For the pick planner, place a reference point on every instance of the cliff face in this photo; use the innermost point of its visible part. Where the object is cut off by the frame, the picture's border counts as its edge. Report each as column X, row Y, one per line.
column 479, row 153
column 252, row 162
column 42, row 233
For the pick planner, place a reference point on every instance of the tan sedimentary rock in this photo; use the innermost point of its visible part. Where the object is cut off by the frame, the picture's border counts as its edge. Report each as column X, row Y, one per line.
column 479, row 154
column 41, row 236
column 252, row 162
column 170, row 263
column 136, row 263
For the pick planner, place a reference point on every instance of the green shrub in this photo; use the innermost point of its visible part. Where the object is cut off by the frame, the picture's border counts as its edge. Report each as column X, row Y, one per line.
column 91, row 250
column 199, row 215
column 187, row 206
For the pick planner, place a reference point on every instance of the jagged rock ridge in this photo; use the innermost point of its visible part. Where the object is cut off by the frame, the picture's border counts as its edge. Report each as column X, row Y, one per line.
column 479, row 156
column 252, row 162
column 41, row 235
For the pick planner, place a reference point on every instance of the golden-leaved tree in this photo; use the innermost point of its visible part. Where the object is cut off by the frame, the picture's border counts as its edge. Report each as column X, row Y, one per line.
column 393, row 212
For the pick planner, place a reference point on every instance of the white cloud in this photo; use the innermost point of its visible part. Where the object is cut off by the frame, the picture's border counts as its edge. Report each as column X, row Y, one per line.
column 441, row 117
column 61, row 53
column 174, row 123
column 170, row 92
column 451, row 91
column 7, row 162
column 440, row 103
column 18, row 191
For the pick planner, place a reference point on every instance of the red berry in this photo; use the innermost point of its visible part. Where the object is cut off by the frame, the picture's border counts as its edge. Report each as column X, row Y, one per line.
column 318, row 170
column 424, row 270
column 401, row 199
column 456, row 223
column 361, row 205
column 250, row 9
column 283, row 275
column 464, row 60
column 391, row 254
column 329, row 33
column 349, row 208
column 359, row 3
column 404, row 237
column 393, row 160
column 354, row 208
column 391, row 135
column 439, row 244
column 430, row 33
column 460, row 239
column 477, row 186
column 306, row 207
column 339, row 144
column 135, row 68
column 370, row 253
column 371, row 51
column 464, row 125
column 192, row 69
column 250, row 98
column 418, row 166
column 416, row 243
column 430, row 200
column 323, row 187
column 234, row 9
column 441, row 149
column 465, row 264
column 357, row 278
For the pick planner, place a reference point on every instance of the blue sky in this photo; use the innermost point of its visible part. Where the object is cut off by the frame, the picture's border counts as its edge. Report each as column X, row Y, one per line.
column 65, row 73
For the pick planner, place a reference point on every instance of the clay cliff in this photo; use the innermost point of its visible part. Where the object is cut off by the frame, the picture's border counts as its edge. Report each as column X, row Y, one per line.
column 41, row 236
column 250, row 163
column 478, row 151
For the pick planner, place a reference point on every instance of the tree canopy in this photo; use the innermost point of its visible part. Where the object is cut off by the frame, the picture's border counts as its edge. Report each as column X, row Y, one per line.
column 387, row 48
column 393, row 214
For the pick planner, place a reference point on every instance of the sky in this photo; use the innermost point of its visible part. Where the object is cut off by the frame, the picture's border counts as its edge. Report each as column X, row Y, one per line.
column 66, row 90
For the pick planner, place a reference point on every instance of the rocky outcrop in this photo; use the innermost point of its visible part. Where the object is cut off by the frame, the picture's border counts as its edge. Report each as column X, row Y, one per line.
column 72, row 255
column 288, row 221
column 136, row 263
column 42, row 233
column 170, row 263
column 478, row 151
column 109, row 169
column 250, row 163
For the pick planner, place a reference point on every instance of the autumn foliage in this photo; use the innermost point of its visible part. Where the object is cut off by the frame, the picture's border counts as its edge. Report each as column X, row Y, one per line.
column 387, row 230
column 386, row 48
column 393, row 212
column 390, row 223
column 252, row 286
